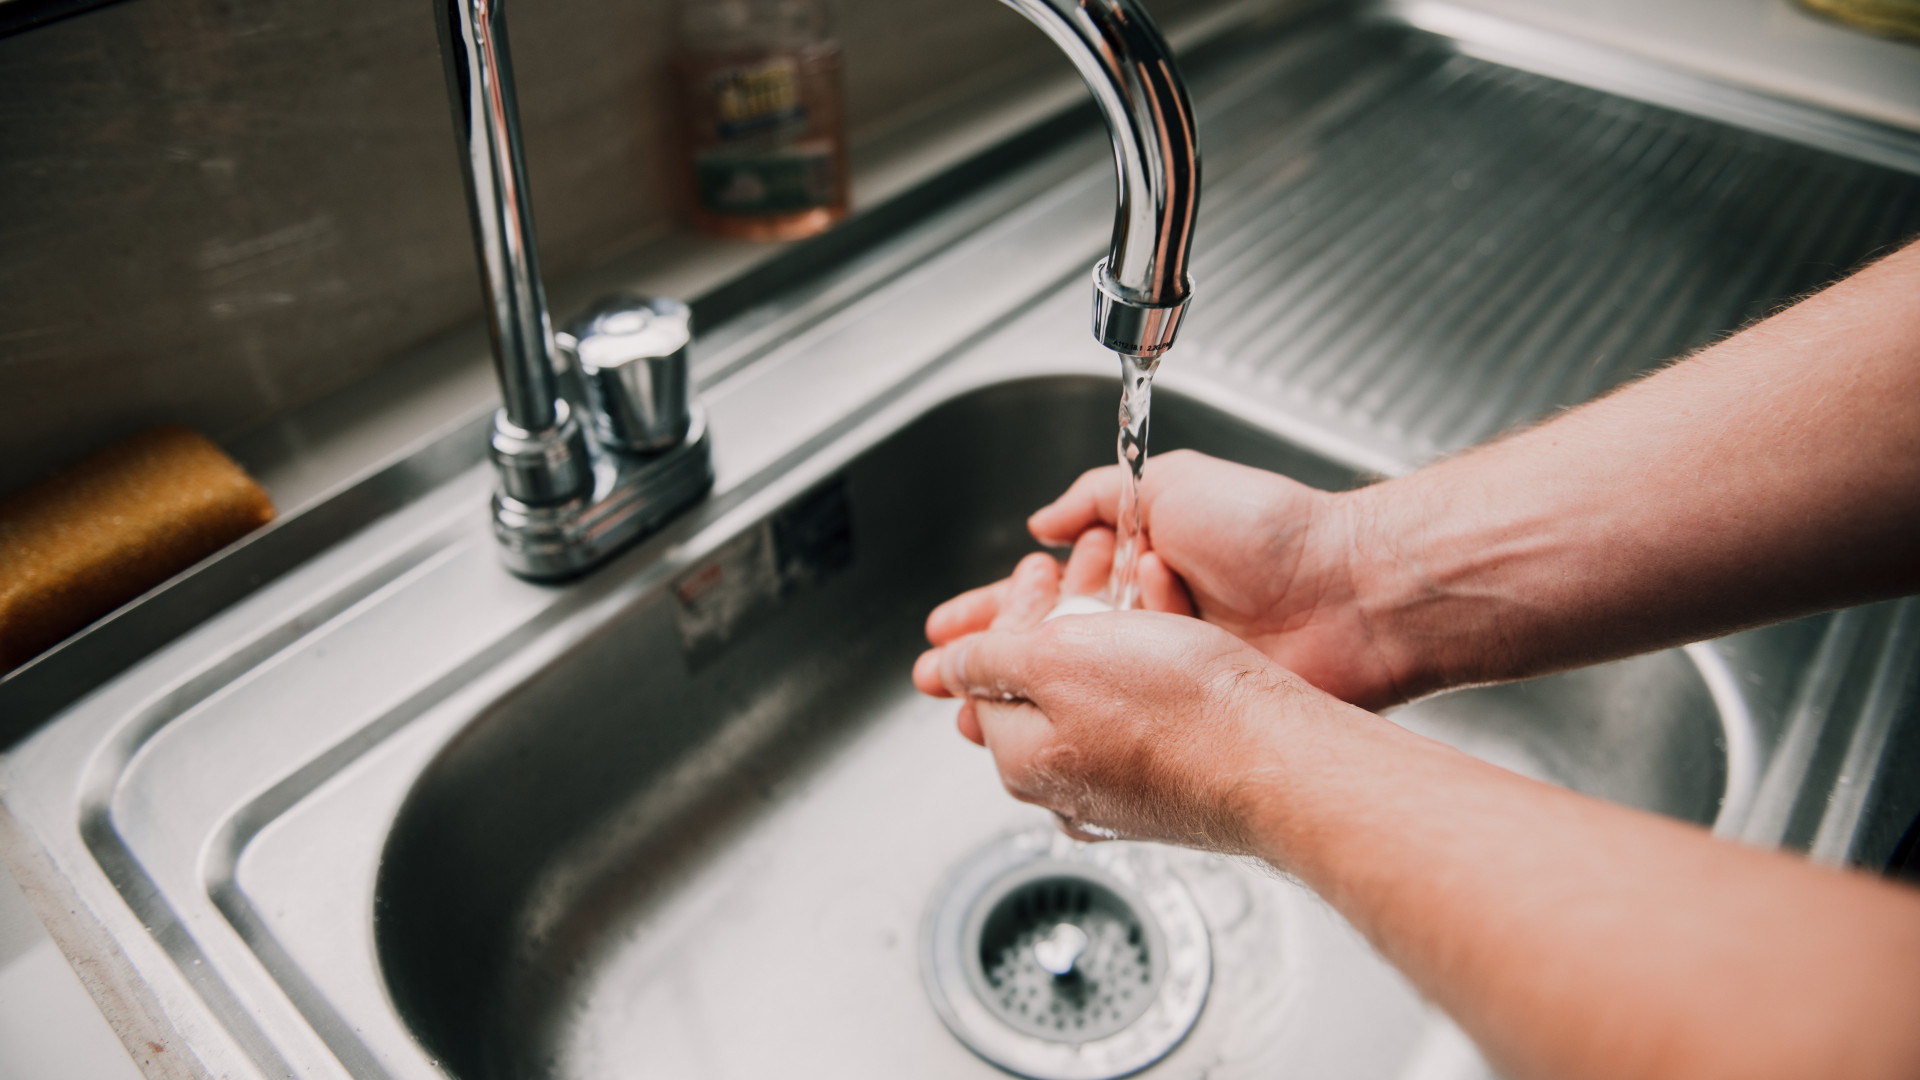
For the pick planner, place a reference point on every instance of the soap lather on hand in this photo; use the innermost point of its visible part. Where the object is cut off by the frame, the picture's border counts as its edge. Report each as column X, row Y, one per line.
column 94, row 536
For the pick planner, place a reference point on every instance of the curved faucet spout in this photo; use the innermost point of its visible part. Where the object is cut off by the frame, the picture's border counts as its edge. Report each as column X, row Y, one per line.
column 1141, row 288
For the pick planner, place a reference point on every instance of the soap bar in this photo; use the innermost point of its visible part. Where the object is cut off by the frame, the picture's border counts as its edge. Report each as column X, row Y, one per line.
column 1078, row 605
column 94, row 536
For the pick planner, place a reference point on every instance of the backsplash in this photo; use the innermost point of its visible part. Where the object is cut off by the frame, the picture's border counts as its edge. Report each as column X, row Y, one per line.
column 217, row 211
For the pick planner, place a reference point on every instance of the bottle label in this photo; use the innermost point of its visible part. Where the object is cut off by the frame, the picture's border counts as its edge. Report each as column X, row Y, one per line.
column 797, row 177
column 764, row 133
column 758, row 100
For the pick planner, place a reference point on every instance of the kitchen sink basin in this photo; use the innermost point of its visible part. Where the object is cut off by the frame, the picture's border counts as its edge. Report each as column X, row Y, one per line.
column 701, row 841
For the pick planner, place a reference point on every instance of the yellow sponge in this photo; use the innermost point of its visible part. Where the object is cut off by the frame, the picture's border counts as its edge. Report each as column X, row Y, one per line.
column 96, row 535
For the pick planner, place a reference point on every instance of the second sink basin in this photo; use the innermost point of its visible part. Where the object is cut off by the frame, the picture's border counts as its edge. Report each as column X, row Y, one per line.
column 701, row 841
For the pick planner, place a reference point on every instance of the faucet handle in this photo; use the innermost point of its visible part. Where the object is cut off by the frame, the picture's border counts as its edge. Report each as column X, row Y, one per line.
column 632, row 352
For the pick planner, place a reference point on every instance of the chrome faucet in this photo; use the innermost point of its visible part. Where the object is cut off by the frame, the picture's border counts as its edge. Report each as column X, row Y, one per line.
column 568, row 497
column 572, row 492
column 1140, row 289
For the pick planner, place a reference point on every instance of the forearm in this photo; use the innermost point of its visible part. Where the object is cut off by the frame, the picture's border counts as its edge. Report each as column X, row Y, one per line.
column 1573, row 938
column 1773, row 475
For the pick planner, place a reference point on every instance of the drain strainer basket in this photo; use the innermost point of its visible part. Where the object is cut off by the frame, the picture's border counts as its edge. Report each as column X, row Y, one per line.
column 1066, row 961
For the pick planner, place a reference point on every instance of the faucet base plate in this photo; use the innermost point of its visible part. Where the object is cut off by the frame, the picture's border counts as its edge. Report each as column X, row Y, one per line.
column 632, row 497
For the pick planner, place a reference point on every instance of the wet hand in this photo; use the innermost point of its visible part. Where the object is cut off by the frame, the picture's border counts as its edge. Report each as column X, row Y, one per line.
column 1138, row 725
column 1266, row 558
column 1020, row 601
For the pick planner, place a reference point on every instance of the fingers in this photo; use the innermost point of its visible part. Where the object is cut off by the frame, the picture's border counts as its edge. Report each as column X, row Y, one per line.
column 995, row 665
column 1094, row 499
column 1161, row 589
column 1090, row 564
column 1019, row 734
column 1012, row 728
column 1033, row 585
column 1022, row 738
column 926, row 675
column 1017, row 603
column 1029, row 593
column 969, row 613
column 969, row 724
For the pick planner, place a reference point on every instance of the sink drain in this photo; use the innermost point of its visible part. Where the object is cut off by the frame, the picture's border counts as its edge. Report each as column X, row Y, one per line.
column 1064, row 956
column 1065, row 961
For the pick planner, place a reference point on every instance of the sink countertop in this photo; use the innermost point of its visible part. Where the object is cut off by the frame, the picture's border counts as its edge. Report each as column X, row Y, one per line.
column 49, row 1027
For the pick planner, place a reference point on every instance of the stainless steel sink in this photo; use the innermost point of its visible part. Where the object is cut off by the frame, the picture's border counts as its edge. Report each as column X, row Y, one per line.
column 663, row 848
column 397, row 814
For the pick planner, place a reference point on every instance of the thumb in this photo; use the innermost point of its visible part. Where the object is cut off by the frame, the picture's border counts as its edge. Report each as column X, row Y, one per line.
column 995, row 665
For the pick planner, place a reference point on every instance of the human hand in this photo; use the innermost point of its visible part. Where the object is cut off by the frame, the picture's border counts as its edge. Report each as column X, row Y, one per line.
column 1020, row 601
column 1136, row 725
column 1265, row 558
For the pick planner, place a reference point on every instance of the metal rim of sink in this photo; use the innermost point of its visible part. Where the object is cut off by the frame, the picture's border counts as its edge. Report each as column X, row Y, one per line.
column 1122, row 881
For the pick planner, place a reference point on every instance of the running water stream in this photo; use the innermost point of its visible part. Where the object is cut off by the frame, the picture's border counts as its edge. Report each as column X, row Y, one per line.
column 1136, row 402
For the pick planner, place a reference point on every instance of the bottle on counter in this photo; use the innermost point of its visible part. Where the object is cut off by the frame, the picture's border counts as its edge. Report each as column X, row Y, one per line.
column 762, row 122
